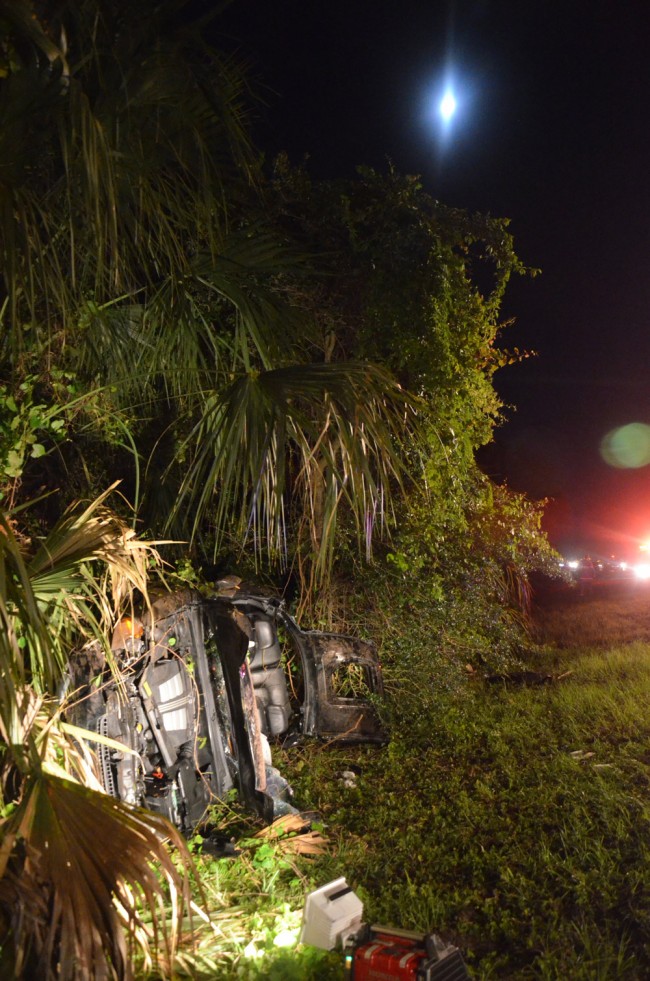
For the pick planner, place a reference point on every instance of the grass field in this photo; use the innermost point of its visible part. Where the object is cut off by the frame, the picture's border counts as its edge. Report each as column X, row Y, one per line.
column 514, row 820
column 612, row 614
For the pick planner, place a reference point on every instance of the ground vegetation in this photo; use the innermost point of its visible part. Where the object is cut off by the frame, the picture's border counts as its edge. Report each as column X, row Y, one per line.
column 512, row 819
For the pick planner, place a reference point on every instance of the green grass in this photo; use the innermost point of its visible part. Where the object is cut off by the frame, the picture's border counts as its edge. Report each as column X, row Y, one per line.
column 617, row 613
column 517, row 824
column 514, row 820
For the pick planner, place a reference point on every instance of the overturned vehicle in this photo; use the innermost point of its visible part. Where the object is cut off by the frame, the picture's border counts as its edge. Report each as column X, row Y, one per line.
column 204, row 688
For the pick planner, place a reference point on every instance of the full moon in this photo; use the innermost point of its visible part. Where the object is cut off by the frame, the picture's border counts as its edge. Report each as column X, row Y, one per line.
column 448, row 105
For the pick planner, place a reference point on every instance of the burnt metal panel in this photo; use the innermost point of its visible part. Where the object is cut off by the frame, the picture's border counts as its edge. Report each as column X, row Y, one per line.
column 232, row 644
column 340, row 672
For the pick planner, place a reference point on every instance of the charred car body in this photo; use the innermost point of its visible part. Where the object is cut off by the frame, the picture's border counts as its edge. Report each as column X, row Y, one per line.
column 202, row 690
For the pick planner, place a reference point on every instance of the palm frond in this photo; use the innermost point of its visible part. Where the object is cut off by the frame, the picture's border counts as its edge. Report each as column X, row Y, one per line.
column 85, row 569
column 241, row 275
column 223, row 314
column 318, row 433
column 67, row 587
column 140, row 132
column 23, row 627
column 95, row 864
column 84, row 879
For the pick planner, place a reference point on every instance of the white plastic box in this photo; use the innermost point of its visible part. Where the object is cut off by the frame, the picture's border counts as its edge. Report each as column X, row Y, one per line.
column 332, row 914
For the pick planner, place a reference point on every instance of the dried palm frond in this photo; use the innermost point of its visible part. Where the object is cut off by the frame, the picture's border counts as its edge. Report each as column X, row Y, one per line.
column 292, row 835
column 94, row 865
column 84, row 879
column 82, row 572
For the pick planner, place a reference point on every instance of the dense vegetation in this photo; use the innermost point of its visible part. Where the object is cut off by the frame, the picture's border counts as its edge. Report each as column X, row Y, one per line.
column 288, row 378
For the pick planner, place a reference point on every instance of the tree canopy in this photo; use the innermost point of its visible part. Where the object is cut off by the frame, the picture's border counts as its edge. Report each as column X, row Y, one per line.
column 252, row 357
column 279, row 371
column 149, row 332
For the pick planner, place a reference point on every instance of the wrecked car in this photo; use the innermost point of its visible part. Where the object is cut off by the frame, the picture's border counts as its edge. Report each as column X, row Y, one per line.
column 204, row 688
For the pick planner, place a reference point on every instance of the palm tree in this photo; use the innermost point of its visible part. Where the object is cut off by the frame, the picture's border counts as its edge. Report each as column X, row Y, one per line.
column 77, row 868
column 133, row 255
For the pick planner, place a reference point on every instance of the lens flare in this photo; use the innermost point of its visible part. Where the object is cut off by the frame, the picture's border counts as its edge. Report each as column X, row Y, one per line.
column 627, row 447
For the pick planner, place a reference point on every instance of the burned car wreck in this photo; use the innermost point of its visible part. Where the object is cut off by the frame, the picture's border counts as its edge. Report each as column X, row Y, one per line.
column 204, row 689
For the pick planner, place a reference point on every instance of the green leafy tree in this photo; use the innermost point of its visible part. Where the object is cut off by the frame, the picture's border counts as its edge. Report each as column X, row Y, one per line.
column 411, row 284
column 417, row 286
column 162, row 306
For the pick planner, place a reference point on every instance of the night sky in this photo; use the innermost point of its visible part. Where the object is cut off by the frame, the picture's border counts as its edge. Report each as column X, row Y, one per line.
column 553, row 132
